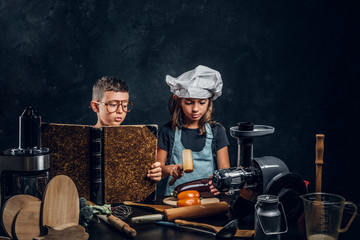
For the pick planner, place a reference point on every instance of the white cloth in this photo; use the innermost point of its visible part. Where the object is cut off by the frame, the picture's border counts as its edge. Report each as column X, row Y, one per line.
column 201, row 82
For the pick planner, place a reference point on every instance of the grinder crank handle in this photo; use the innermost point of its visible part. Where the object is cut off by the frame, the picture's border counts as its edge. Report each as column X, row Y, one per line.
column 319, row 161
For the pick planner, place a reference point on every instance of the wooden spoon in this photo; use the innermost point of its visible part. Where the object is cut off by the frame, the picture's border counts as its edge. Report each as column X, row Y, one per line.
column 318, row 209
column 11, row 207
column 319, row 160
column 216, row 229
column 27, row 221
column 60, row 203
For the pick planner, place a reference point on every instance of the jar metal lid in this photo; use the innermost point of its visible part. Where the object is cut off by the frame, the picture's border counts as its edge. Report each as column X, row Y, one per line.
column 268, row 198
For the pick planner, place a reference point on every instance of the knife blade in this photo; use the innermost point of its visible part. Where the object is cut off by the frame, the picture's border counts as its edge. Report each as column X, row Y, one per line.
column 175, row 225
column 146, row 219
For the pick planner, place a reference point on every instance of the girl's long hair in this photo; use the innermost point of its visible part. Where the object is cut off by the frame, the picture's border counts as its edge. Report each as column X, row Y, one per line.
column 177, row 115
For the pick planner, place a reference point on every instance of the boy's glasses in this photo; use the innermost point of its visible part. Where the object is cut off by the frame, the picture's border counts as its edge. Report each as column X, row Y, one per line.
column 113, row 106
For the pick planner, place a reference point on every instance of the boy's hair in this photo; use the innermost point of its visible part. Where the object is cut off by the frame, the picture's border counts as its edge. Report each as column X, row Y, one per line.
column 177, row 114
column 106, row 83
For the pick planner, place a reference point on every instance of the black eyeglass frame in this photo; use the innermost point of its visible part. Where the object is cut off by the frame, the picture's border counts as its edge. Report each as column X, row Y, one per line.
column 119, row 103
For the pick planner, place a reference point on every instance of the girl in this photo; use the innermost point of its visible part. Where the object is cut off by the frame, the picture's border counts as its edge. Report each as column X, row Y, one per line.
column 191, row 127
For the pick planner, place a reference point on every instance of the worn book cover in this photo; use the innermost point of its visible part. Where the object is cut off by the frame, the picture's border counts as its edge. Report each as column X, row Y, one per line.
column 108, row 164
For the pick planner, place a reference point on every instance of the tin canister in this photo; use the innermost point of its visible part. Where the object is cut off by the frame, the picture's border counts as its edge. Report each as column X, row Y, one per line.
column 268, row 218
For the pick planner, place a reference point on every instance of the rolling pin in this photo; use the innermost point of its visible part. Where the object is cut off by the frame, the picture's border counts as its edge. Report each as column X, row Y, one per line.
column 186, row 213
column 187, row 164
column 118, row 224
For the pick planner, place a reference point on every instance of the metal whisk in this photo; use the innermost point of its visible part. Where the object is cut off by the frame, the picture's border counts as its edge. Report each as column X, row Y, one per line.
column 121, row 211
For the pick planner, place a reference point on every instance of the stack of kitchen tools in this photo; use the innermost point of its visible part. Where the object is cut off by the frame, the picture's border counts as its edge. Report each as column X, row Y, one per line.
column 176, row 218
column 54, row 217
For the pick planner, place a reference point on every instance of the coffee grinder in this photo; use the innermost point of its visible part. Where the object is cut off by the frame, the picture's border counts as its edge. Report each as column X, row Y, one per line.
column 24, row 170
column 256, row 176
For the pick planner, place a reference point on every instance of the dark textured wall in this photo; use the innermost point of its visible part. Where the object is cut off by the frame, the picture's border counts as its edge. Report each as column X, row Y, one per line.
column 291, row 64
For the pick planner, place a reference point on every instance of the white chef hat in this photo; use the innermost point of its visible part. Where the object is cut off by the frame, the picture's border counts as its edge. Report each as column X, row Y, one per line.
column 201, row 82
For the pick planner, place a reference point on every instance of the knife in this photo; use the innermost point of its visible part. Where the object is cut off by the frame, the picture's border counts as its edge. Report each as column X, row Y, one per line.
column 189, row 212
column 146, row 219
column 171, row 224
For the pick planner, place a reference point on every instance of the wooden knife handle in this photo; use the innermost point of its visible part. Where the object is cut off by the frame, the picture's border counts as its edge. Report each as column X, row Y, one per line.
column 319, row 161
column 197, row 211
column 121, row 225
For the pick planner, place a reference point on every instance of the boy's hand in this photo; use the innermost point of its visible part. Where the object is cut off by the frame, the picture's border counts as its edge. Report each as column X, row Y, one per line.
column 155, row 172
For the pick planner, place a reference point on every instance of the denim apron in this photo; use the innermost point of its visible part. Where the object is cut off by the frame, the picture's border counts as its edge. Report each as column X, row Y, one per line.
column 203, row 160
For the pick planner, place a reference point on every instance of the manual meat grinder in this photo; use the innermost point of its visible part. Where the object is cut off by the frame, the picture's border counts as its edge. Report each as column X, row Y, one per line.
column 255, row 176
column 24, row 170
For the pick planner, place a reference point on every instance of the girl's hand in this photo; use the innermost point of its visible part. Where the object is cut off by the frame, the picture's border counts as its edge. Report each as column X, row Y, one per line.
column 155, row 172
column 176, row 171
column 213, row 190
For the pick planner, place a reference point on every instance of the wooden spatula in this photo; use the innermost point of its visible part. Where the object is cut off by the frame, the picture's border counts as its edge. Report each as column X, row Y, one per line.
column 60, row 204
column 239, row 233
column 11, row 207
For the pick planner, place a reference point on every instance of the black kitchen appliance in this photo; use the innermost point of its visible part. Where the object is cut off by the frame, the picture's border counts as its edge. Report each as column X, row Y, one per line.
column 24, row 170
column 256, row 176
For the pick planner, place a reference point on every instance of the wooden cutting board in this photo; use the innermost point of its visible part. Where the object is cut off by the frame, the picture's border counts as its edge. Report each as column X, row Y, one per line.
column 171, row 201
column 27, row 221
column 60, row 203
column 11, row 207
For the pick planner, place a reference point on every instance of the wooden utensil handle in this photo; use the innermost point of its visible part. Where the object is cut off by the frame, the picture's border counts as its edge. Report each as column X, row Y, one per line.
column 319, row 149
column 319, row 161
column 196, row 224
column 242, row 233
column 172, row 181
column 198, row 211
column 121, row 225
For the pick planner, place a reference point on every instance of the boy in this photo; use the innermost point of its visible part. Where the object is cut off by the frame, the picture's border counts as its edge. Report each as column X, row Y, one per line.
column 111, row 104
